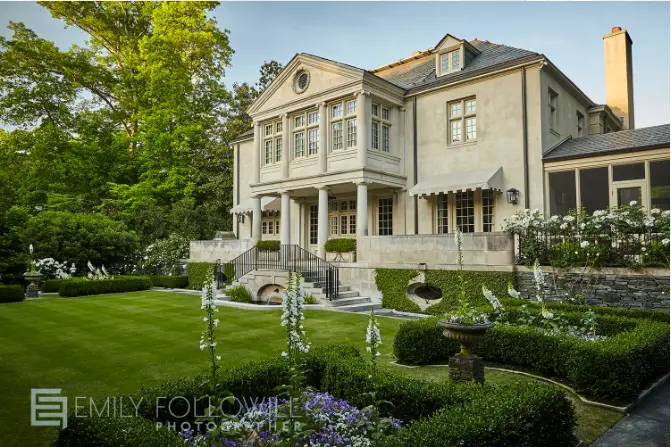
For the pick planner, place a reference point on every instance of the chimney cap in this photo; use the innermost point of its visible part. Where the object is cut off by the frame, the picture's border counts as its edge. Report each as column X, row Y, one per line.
column 616, row 29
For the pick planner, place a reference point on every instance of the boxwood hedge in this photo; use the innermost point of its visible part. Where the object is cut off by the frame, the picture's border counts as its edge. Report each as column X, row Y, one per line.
column 52, row 285
column 170, row 282
column 340, row 245
column 436, row 414
column 11, row 294
column 198, row 272
column 81, row 287
column 271, row 245
column 614, row 370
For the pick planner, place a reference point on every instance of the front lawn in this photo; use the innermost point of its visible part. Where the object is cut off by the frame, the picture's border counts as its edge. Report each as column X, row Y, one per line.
column 103, row 345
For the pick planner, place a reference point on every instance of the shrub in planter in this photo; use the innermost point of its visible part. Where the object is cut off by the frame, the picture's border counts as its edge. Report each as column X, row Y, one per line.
column 11, row 294
column 170, row 282
column 117, row 285
column 268, row 245
column 240, row 294
column 197, row 272
column 340, row 245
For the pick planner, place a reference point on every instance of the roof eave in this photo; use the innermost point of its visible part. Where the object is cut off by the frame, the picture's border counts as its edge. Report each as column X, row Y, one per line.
column 603, row 153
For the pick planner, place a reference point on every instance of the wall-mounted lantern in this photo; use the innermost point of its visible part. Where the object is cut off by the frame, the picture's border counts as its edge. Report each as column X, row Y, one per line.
column 513, row 196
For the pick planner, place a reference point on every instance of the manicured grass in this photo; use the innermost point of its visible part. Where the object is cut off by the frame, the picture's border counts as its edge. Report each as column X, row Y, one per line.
column 103, row 345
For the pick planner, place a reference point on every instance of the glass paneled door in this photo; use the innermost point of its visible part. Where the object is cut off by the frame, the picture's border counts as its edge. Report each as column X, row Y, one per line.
column 623, row 193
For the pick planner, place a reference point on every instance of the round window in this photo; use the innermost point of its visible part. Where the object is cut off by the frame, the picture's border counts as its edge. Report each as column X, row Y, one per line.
column 301, row 81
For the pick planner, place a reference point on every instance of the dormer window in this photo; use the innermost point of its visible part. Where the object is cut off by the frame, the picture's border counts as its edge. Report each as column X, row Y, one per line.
column 450, row 62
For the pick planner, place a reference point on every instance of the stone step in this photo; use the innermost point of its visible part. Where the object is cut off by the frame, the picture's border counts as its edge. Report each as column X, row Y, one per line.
column 348, row 294
column 360, row 307
column 340, row 302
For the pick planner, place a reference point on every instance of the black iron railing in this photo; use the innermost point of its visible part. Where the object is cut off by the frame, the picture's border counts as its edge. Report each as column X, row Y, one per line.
column 606, row 248
column 291, row 258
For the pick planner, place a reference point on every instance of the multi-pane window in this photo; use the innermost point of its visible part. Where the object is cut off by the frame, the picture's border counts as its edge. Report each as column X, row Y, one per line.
column 314, row 223
column 278, row 127
column 313, row 141
column 299, row 144
column 351, row 107
column 278, row 150
column 465, row 211
column 336, row 136
column 487, row 210
column 374, row 109
column 337, row 111
column 343, row 225
column 552, row 105
column 269, row 130
column 462, row 122
column 334, row 225
column 580, row 123
column 385, row 217
column 313, row 117
column 299, row 121
column 450, row 62
column 375, row 131
column 342, row 215
column 352, row 224
column 268, row 152
column 385, row 138
column 385, row 113
column 442, row 215
column 270, row 223
column 351, row 133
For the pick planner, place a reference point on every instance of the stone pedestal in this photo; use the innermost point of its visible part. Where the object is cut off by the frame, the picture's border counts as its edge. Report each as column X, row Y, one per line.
column 33, row 289
column 467, row 368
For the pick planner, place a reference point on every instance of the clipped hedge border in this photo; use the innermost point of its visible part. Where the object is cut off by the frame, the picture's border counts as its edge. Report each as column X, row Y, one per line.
column 340, row 245
column 11, row 294
column 197, row 273
column 81, row 287
column 268, row 245
column 52, row 285
column 170, row 282
column 522, row 414
column 613, row 370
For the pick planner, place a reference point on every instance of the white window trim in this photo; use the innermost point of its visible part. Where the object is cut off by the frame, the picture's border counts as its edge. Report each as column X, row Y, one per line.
column 553, row 110
column 462, row 118
column 343, row 119
column 272, row 136
column 380, row 122
column 449, row 52
column 452, row 212
column 339, row 213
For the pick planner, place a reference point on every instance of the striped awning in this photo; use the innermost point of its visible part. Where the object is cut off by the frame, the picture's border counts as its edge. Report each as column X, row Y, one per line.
column 459, row 181
column 247, row 206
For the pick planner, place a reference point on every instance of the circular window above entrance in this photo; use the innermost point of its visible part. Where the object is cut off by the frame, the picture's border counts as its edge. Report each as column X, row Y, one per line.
column 301, row 81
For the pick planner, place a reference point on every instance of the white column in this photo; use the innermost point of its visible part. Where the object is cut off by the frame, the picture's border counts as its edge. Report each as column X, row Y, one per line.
column 256, row 219
column 323, row 220
column 286, row 145
column 362, row 209
column 323, row 133
column 285, row 219
column 363, row 126
column 256, row 156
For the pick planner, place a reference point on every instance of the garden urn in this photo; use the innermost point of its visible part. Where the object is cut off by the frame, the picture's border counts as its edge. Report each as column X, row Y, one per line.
column 33, row 288
column 465, row 366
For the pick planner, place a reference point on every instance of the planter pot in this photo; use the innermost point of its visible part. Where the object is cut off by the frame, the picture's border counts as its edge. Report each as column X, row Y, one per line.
column 348, row 256
column 33, row 289
column 464, row 366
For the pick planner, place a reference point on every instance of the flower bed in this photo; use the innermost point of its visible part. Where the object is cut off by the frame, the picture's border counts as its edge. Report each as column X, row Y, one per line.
column 489, row 415
column 81, row 287
column 635, row 352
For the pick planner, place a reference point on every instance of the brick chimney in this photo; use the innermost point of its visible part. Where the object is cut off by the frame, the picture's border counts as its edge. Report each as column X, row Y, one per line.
column 619, row 75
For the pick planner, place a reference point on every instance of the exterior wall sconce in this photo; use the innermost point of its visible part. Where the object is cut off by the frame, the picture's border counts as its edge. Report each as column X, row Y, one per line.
column 513, row 196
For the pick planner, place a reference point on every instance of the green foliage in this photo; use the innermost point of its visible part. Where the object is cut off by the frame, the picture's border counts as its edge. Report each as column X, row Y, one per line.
column 239, row 294
column 163, row 256
column 170, row 282
column 11, row 294
column 79, row 238
column 268, row 245
column 81, row 287
column 656, row 255
column 393, row 284
column 53, row 285
column 524, row 414
column 448, row 282
column 340, row 245
column 14, row 256
column 197, row 272
column 616, row 369
column 309, row 299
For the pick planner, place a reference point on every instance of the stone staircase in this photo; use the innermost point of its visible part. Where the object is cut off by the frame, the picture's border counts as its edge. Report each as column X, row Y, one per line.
column 348, row 300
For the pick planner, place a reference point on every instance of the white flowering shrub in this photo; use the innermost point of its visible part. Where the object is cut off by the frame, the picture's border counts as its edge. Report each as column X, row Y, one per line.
column 52, row 269
column 208, row 337
column 625, row 236
column 97, row 274
column 163, row 256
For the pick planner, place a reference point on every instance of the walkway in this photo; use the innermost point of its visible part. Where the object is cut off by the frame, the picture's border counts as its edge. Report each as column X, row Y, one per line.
column 646, row 426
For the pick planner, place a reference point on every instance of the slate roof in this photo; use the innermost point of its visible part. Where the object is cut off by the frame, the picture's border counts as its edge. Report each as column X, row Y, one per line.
column 414, row 75
column 623, row 141
column 246, row 135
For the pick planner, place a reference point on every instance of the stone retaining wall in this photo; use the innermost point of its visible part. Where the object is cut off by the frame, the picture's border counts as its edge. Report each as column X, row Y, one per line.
column 224, row 250
column 609, row 287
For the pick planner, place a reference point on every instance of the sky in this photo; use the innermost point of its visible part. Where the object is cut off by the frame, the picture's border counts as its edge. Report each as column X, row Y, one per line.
column 372, row 34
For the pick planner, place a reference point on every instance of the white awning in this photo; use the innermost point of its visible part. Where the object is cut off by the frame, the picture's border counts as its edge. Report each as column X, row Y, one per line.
column 459, row 181
column 247, row 206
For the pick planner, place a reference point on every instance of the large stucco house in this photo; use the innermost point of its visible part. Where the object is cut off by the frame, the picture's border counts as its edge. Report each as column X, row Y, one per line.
column 460, row 135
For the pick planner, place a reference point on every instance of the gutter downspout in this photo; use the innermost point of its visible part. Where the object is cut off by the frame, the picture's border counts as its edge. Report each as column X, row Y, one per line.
column 414, row 161
column 525, row 138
